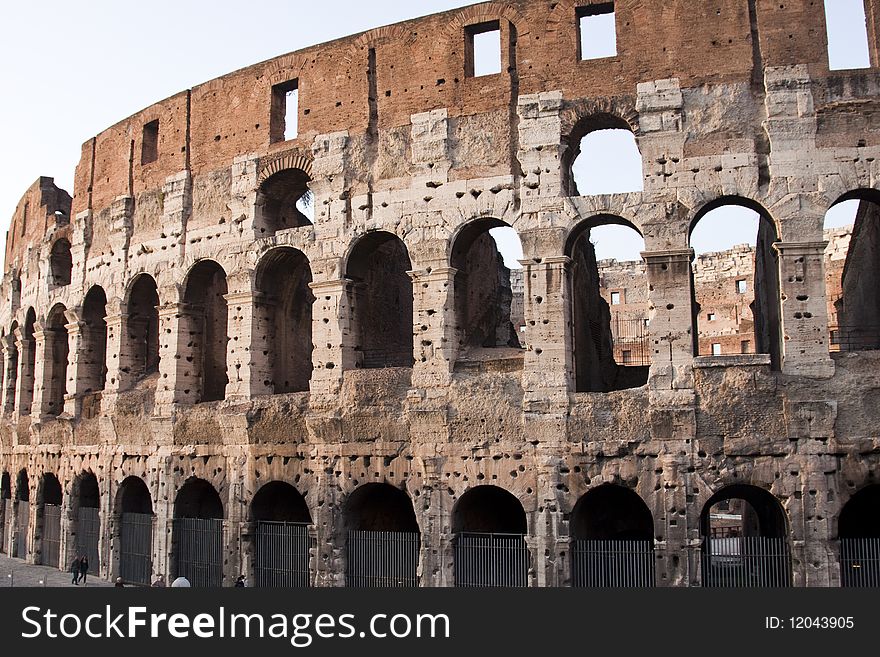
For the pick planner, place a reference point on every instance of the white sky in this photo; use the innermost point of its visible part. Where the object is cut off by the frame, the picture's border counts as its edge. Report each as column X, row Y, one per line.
column 71, row 69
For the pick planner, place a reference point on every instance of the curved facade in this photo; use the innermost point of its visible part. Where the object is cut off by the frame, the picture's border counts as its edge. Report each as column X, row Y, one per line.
column 183, row 320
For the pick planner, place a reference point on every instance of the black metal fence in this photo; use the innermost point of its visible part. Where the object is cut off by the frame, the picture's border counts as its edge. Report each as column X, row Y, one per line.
column 853, row 338
column 610, row 563
column 51, row 541
column 282, row 554
column 382, row 559
column 746, row 561
column 8, row 515
column 631, row 344
column 491, row 560
column 22, row 521
column 198, row 550
column 860, row 562
column 135, row 547
column 88, row 532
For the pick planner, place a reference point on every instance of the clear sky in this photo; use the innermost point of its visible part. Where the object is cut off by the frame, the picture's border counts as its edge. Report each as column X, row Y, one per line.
column 69, row 70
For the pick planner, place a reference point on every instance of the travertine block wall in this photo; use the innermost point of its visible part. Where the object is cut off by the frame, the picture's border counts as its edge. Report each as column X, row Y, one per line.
column 728, row 100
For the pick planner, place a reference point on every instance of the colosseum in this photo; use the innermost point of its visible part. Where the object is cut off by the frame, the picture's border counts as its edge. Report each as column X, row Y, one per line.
column 271, row 334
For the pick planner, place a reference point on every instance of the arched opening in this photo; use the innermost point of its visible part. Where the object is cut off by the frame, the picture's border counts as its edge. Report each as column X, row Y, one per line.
column 7, row 512
column 490, row 549
column 55, row 364
column 142, row 326
column 284, row 201
column 61, row 262
column 852, row 270
column 47, row 538
column 281, row 537
column 859, row 530
column 380, row 301
column 22, row 515
column 609, row 305
column 134, row 504
column 86, row 514
column 27, row 353
column 10, row 376
column 92, row 370
column 602, row 158
column 735, row 280
column 745, row 539
column 207, row 311
column 487, row 315
column 285, row 307
column 382, row 539
column 612, row 534
column 197, row 539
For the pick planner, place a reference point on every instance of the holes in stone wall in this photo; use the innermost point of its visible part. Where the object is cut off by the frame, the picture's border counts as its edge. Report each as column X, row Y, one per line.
column 207, row 312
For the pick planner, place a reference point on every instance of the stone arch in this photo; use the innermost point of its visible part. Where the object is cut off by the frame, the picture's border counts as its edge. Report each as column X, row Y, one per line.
column 764, row 307
column 483, row 289
column 7, row 513
column 133, row 513
column 281, row 536
column 488, row 509
column 10, row 378
column 28, row 356
column 280, row 196
column 142, row 327
column 47, row 537
column 134, row 496
column 92, row 366
column 85, row 517
column 284, row 305
column 380, row 300
column 22, row 515
column 599, row 116
column 61, row 262
column 610, row 350
column 197, row 537
column 206, row 310
column 56, row 351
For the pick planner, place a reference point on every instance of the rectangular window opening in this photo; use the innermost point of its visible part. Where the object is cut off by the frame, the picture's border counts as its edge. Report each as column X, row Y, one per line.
column 615, row 298
column 150, row 142
column 745, row 347
column 711, row 317
column 847, row 34
column 627, row 356
column 597, row 31
column 483, row 55
column 741, row 286
column 716, row 348
column 284, row 118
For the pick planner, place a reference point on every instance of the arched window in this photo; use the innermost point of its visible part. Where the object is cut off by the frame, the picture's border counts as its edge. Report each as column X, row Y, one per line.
column 86, row 518
column 381, row 301
column 10, row 377
column 852, row 229
column 284, row 201
column 22, row 515
column 609, row 305
column 281, row 537
column 48, row 537
column 285, row 306
column 61, row 262
column 142, row 327
column 490, row 550
column 207, row 312
column 134, row 507
column 735, row 280
column 197, row 539
column 382, row 540
column 745, row 540
column 28, row 356
column 859, row 530
column 55, row 364
column 602, row 158
column 92, row 372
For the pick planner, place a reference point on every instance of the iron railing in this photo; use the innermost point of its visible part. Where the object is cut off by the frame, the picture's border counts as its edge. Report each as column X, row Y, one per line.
column 860, row 562
column 491, row 560
column 88, row 532
column 198, row 550
column 746, row 561
column 853, row 338
column 378, row 559
column 8, row 515
column 282, row 555
column 51, row 541
column 22, row 521
column 612, row 563
column 135, row 547
column 631, row 343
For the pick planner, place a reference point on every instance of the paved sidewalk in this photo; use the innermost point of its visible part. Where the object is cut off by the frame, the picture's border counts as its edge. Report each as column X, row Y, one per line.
column 15, row 572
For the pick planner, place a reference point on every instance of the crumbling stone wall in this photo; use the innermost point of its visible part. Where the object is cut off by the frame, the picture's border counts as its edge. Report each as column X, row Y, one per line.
column 740, row 104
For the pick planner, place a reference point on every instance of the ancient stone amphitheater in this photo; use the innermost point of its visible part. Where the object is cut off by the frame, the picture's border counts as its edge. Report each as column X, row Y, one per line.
column 200, row 379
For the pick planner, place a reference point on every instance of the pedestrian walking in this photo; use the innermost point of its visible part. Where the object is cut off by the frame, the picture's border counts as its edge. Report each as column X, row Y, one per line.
column 119, row 583
column 74, row 569
column 241, row 582
column 159, row 582
column 83, row 568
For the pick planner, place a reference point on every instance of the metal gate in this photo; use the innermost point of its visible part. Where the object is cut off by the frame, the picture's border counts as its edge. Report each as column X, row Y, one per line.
column 746, row 561
column 23, row 519
column 198, row 550
column 282, row 554
column 7, row 521
column 88, row 530
column 491, row 560
column 135, row 547
column 51, row 541
column 610, row 563
column 860, row 562
column 382, row 559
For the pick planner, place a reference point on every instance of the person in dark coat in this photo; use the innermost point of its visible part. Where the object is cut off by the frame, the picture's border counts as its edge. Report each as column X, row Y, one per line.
column 83, row 568
column 74, row 569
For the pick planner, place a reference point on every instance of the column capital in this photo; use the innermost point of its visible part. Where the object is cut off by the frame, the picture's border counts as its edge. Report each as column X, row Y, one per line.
column 563, row 260
column 333, row 285
column 796, row 248
column 668, row 254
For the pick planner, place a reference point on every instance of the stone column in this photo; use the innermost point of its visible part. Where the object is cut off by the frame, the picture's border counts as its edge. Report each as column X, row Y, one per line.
column 10, row 375
column 247, row 366
column 119, row 356
column 804, row 312
column 24, row 387
column 434, row 323
column 79, row 366
column 45, row 371
column 670, row 330
column 332, row 335
column 178, row 383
